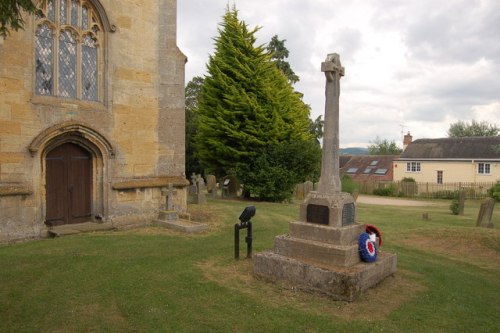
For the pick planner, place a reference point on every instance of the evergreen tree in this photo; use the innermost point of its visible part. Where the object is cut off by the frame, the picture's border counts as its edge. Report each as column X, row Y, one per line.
column 193, row 91
column 279, row 53
column 247, row 105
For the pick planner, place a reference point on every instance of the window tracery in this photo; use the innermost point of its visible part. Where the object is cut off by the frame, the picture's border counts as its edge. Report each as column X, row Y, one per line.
column 69, row 50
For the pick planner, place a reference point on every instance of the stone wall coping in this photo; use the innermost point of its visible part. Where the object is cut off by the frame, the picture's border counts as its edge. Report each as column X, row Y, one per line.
column 177, row 181
column 12, row 189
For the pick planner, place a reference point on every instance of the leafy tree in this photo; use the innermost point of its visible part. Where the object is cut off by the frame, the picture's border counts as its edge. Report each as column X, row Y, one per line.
column 383, row 147
column 247, row 107
column 193, row 90
column 278, row 54
column 316, row 127
column 275, row 171
column 11, row 14
column 464, row 129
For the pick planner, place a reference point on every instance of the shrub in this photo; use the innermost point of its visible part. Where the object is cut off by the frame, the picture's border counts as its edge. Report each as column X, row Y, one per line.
column 348, row 184
column 454, row 207
column 408, row 180
column 494, row 191
column 384, row 192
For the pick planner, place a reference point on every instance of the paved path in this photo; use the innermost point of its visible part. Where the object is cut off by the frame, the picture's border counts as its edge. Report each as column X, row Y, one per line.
column 385, row 201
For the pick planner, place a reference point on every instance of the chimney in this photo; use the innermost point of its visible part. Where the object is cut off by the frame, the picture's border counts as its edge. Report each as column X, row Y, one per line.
column 407, row 140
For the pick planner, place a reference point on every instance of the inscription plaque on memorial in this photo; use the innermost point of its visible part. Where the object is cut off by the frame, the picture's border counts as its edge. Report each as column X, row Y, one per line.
column 348, row 214
column 318, row 214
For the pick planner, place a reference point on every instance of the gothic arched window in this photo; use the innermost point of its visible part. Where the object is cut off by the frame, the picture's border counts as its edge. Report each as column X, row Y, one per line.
column 69, row 50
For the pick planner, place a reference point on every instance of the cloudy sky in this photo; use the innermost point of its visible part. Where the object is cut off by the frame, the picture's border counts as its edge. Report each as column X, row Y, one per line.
column 413, row 65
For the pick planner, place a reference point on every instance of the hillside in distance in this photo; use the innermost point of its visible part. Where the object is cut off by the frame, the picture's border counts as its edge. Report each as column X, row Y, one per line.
column 354, row 151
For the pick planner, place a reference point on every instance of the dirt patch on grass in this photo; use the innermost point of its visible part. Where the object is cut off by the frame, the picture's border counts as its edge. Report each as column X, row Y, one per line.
column 91, row 317
column 475, row 246
column 386, row 297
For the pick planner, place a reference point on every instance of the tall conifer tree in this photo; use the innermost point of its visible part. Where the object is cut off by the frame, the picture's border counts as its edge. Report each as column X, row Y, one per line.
column 247, row 103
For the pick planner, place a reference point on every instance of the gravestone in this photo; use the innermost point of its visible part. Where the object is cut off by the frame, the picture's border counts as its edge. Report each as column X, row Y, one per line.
column 192, row 186
column 169, row 213
column 212, row 186
column 230, row 186
column 308, row 187
column 200, row 190
column 461, row 202
column 486, row 213
column 320, row 253
column 169, row 218
column 299, row 191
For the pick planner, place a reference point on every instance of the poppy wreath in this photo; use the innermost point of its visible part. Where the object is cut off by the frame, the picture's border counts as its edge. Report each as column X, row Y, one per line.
column 367, row 248
column 371, row 229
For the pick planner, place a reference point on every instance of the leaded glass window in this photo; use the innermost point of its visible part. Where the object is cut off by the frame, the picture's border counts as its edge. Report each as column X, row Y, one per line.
column 74, row 13
column 67, row 65
column 89, row 68
column 50, row 10
column 68, row 50
column 85, row 18
column 62, row 11
column 44, row 66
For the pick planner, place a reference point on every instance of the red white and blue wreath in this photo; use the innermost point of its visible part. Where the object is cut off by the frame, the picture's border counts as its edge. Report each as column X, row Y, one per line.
column 366, row 242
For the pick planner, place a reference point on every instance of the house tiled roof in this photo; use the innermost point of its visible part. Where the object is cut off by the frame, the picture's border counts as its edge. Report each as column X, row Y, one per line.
column 369, row 167
column 454, row 148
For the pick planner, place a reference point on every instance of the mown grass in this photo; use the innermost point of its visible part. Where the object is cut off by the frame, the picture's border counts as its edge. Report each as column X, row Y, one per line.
column 155, row 280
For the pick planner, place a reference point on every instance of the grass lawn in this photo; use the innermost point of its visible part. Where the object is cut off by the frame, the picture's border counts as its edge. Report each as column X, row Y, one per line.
column 155, row 280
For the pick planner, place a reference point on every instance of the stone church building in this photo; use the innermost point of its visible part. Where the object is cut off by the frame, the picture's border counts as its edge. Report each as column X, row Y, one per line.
column 91, row 115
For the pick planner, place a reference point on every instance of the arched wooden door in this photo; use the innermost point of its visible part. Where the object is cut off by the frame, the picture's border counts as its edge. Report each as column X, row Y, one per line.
column 68, row 185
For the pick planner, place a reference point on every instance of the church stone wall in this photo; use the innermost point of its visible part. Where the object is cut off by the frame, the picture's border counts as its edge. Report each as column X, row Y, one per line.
column 141, row 116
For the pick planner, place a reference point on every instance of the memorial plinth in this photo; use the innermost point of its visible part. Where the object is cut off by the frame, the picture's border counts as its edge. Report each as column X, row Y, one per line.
column 321, row 253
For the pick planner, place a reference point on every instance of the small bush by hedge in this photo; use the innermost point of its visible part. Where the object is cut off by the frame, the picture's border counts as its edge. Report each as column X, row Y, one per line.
column 494, row 191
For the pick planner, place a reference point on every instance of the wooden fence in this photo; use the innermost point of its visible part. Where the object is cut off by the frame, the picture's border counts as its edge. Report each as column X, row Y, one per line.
column 427, row 190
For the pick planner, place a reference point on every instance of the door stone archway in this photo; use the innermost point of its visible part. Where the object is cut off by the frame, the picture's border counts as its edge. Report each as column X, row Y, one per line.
column 68, row 181
column 87, row 145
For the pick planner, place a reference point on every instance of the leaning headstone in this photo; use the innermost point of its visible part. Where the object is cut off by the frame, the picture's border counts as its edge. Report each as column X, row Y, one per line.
column 299, row 191
column 485, row 213
column 211, row 183
column 212, row 186
column 192, row 186
column 461, row 202
column 308, row 187
column 200, row 193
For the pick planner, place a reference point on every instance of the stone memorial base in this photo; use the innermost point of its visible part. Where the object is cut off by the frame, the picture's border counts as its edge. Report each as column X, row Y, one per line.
column 168, row 215
column 170, row 219
column 339, row 283
column 324, row 259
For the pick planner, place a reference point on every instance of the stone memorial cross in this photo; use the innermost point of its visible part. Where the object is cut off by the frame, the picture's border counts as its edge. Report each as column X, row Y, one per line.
column 168, row 193
column 329, row 182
